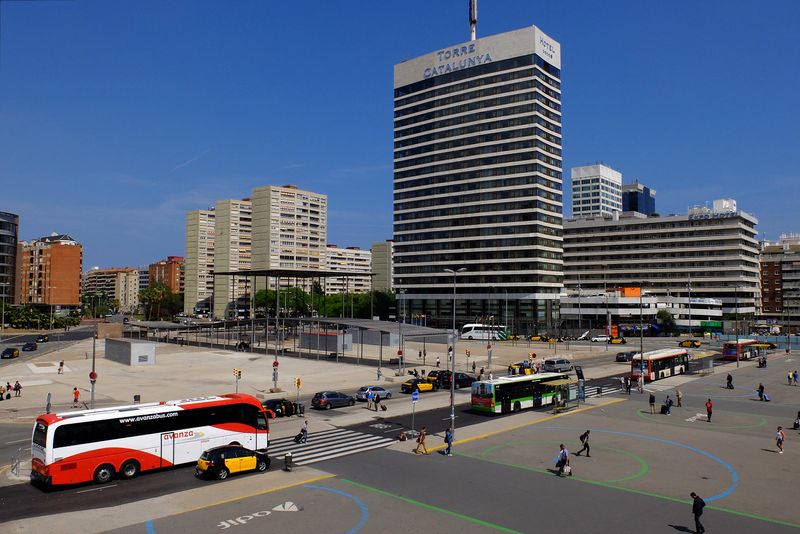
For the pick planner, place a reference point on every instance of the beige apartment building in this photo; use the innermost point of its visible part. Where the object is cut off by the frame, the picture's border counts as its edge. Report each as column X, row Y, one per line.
column 383, row 266
column 199, row 262
column 119, row 283
column 233, row 236
column 350, row 260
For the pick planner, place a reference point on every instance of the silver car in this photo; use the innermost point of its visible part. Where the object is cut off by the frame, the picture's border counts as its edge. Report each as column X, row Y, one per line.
column 557, row 365
column 384, row 394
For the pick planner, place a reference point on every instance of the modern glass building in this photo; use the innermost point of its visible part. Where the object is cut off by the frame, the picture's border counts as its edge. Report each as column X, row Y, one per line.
column 478, row 180
column 638, row 197
column 9, row 235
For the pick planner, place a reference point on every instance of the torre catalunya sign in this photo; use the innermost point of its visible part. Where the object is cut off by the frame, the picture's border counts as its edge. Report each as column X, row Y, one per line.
column 525, row 41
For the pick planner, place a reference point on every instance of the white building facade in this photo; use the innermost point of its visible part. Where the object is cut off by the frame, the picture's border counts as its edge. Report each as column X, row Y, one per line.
column 596, row 191
column 199, row 281
column 233, row 236
column 350, row 260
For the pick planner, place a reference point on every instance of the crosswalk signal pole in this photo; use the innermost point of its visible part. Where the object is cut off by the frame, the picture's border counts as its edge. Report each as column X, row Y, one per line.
column 237, row 375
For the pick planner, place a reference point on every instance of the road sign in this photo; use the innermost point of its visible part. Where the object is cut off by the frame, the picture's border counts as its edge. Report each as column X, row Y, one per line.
column 275, row 363
column 92, row 375
column 415, row 396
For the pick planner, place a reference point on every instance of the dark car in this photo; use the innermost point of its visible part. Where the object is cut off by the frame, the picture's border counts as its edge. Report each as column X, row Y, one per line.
column 9, row 353
column 30, row 345
column 219, row 462
column 325, row 400
column 42, row 338
column 281, row 407
column 625, row 356
column 433, row 376
column 463, row 380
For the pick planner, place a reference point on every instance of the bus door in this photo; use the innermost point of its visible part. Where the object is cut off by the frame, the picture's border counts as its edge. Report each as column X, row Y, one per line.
column 504, row 396
column 262, row 432
column 167, row 449
column 538, row 389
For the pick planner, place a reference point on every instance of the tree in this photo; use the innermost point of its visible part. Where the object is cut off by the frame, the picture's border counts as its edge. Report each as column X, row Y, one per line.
column 155, row 298
column 666, row 321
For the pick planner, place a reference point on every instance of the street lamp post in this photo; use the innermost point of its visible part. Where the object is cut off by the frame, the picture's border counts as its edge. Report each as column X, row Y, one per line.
column 454, row 272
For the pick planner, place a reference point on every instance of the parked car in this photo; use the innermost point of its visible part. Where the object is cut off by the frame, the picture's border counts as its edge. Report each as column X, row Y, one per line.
column 325, row 400
column 29, row 346
column 618, row 341
column 281, row 407
column 219, row 462
column 689, row 343
column 625, row 356
column 433, row 376
column 418, row 384
column 384, row 394
column 42, row 338
column 535, row 337
column 9, row 353
column 583, row 337
column 557, row 365
column 599, row 339
column 514, row 337
column 463, row 380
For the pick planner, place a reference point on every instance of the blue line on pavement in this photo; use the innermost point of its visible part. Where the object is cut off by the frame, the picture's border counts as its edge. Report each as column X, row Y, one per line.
column 364, row 511
column 734, row 474
column 149, row 527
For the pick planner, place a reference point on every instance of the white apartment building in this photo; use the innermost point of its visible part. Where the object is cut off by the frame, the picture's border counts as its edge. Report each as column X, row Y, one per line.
column 596, row 191
column 121, row 284
column 350, row 260
column 478, row 178
column 199, row 279
column 383, row 266
column 711, row 252
column 233, row 236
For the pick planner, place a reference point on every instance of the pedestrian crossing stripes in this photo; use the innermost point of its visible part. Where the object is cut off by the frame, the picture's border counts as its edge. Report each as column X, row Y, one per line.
column 326, row 445
column 606, row 391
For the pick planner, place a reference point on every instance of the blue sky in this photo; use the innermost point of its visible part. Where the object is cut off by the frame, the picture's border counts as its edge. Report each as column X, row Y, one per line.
column 118, row 117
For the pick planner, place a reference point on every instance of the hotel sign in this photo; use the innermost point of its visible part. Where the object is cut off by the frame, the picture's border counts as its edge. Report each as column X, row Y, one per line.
column 453, row 59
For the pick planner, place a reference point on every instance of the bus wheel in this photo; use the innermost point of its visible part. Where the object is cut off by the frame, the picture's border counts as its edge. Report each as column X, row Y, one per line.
column 517, row 407
column 104, row 474
column 129, row 469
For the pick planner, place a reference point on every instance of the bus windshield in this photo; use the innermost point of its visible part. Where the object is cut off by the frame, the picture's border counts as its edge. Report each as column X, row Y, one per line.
column 40, row 434
column 482, row 390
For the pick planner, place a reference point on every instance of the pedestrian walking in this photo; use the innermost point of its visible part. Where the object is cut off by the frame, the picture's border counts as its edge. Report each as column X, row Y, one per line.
column 61, row 367
column 379, row 374
column 585, row 442
column 377, row 402
column 370, row 396
column 789, row 378
column 423, row 374
column 448, row 439
column 761, row 391
column 473, row 368
column 76, row 396
column 2, row 392
column 794, row 377
column 437, row 361
column 419, row 356
column 421, row 441
column 652, row 404
column 17, row 389
column 780, row 437
column 679, row 397
column 627, row 384
column 709, row 409
column 729, row 381
column 510, row 370
column 697, row 510
column 304, row 432
column 796, row 425
column 563, row 460
column 668, row 405
column 491, row 376
column 622, row 383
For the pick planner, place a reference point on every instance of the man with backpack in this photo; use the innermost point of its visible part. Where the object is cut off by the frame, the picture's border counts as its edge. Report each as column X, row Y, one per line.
column 585, row 442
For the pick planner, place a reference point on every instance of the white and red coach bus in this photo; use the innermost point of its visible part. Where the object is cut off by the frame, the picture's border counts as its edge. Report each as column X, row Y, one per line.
column 660, row 364
column 81, row 446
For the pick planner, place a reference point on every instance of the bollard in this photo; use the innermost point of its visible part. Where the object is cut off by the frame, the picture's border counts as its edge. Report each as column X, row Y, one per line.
column 287, row 462
column 137, row 399
column 599, row 391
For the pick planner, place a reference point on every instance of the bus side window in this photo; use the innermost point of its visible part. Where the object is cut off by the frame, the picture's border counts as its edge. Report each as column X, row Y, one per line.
column 262, row 421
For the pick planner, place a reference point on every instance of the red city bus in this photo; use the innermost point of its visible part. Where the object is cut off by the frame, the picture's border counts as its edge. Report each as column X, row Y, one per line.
column 81, row 446
column 740, row 350
column 660, row 364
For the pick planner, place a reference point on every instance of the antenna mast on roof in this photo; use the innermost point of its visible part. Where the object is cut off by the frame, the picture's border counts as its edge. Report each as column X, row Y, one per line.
column 473, row 18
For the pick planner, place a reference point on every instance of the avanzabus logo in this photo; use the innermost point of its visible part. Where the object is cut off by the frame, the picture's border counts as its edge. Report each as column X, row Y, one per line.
column 178, row 435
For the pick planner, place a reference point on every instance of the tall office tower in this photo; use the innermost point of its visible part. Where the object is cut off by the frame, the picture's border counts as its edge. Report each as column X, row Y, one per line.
column 50, row 271
column 9, row 236
column 169, row 271
column 351, row 260
column 638, row 197
column 290, row 229
column 382, row 266
column 199, row 279
column 233, row 233
column 118, row 283
column 596, row 191
column 477, row 179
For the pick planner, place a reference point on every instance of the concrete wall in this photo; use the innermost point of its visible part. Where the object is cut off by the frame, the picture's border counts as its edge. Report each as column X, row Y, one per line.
column 332, row 342
column 107, row 330
column 131, row 351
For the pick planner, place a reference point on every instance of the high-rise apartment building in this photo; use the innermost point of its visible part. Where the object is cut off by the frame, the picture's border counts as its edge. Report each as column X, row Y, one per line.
column 351, row 260
column 712, row 252
column 118, row 283
column 50, row 271
column 144, row 278
column 596, row 191
column 780, row 279
column 233, row 239
column 169, row 271
column 638, row 197
column 383, row 266
column 290, row 228
column 199, row 266
column 9, row 237
column 478, row 178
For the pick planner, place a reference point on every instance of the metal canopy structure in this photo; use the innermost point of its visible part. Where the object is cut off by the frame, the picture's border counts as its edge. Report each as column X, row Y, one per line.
column 392, row 327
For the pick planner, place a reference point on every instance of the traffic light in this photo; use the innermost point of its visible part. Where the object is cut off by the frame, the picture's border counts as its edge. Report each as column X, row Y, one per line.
column 468, row 353
column 237, row 373
column 298, row 383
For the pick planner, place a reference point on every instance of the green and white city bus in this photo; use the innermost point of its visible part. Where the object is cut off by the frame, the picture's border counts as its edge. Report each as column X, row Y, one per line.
column 514, row 393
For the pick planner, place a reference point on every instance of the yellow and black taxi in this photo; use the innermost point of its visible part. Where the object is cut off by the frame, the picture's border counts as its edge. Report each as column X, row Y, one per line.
column 220, row 462
column 418, row 384
column 618, row 341
column 535, row 338
column 433, row 376
column 10, row 352
column 689, row 343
